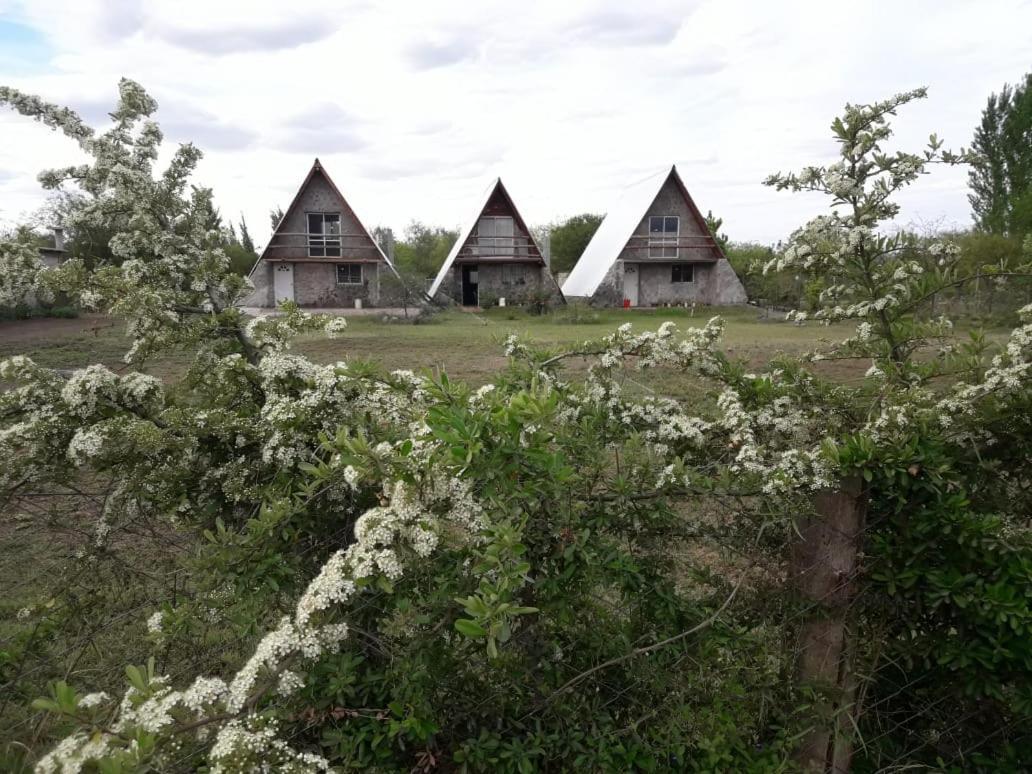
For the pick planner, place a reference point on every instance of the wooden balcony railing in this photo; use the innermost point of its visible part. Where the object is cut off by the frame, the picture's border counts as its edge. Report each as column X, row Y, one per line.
column 301, row 246
column 689, row 248
column 499, row 248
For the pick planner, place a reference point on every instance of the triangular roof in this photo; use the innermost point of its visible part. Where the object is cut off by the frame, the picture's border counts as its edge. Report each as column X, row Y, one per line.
column 489, row 192
column 318, row 169
column 618, row 226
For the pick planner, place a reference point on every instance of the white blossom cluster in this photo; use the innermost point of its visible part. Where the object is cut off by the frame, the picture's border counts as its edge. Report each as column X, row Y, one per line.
column 1008, row 372
column 335, row 327
column 303, row 399
column 408, row 523
column 767, row 439
column 244, row 746
column 789, row 459
column 20, row 268
column 693, row 348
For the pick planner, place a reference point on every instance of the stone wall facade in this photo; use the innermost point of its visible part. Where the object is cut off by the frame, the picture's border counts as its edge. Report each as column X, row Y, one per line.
column 714, row 283
column 502, row 280
column 315, row 284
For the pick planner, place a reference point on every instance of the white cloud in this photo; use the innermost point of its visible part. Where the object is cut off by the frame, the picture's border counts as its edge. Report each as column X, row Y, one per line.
column 412, row 106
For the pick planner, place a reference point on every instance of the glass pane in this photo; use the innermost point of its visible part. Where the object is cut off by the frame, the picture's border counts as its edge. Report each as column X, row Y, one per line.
column 331, row 224
column 656, row 224
column 314, row 223
column 333, row 250
column 317, row 250
column 671, row 225
column 486, row 227
column 503, row 227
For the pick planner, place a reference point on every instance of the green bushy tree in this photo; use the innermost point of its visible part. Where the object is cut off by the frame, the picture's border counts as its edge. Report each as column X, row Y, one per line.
column 424, row 248
column 569, row 237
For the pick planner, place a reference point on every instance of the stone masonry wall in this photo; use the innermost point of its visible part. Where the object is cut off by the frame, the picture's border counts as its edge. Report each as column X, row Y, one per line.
column 491, row 286
column 656, row 289
column 315, row 284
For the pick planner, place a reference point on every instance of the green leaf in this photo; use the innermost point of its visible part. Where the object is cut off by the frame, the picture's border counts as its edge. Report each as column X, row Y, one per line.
column 470, row 628
column 47, row 705
column 136, row 679
column 522, row 610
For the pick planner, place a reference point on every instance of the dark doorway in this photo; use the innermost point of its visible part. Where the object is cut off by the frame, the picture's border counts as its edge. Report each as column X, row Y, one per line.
column 469, row 286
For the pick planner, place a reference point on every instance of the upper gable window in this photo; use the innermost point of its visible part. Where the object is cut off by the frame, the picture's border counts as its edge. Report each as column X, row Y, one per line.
column 323, row 234
column 495, row 235
column 663, row 232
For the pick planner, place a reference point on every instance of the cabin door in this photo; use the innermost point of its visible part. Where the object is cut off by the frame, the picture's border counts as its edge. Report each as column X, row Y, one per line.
column 470, row 296
column 283, row 282
column 630, row 284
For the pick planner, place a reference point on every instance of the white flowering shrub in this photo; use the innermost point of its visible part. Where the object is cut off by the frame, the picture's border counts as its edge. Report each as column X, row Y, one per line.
column 20, row 267
column 883, row 281
column 398, row 573
column 939, row 429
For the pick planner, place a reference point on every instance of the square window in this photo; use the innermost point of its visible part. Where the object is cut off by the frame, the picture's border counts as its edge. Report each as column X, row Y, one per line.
column 349, row 274
column 682, row 272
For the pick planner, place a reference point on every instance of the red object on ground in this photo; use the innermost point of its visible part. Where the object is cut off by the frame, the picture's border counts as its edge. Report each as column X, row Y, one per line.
column 627, row 303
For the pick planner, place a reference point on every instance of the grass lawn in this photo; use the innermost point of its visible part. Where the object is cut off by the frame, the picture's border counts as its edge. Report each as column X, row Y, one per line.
column 467, row 346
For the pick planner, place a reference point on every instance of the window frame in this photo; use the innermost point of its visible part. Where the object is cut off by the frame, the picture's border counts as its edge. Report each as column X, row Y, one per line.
column 324, row 244
column 664, row 246
column 514, row 274
column 350, row 267
column 493, row 244
column 677, row 268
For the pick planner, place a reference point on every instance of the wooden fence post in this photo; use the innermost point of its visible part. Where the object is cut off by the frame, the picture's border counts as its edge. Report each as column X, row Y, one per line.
column 823, row 567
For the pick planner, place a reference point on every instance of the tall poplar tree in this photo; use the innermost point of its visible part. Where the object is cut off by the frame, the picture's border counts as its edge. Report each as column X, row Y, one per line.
column 1001, row 178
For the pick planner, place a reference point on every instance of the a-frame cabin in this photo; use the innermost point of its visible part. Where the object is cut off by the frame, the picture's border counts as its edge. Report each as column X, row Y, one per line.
column 496, row 257
column 653, row 248
column 320, row 254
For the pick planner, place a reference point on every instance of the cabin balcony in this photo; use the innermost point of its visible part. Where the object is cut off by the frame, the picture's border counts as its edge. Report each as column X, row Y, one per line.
column 496, row 249
column 302, row 247
column 646, row 248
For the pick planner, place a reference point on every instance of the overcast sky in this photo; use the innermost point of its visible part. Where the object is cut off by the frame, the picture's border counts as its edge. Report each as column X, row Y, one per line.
column 413, row 106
